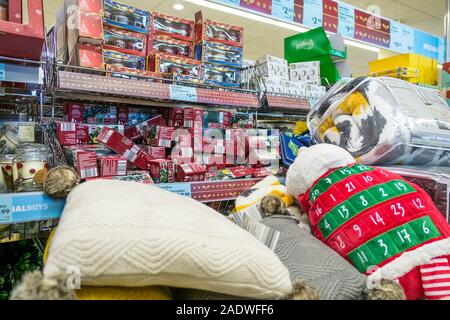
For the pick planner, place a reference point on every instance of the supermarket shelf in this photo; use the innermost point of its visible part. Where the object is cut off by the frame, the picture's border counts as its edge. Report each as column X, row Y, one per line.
column 285, row 104
column 27, row 230
column 83, row 86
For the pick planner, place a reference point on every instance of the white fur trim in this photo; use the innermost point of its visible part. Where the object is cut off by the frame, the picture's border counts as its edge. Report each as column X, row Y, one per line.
column 410, row 260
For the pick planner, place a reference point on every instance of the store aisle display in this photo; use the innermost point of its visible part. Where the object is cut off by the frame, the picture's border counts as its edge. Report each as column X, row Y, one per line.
column 384, row 121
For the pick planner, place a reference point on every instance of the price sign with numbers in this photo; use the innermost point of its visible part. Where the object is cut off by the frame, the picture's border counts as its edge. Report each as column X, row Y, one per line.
column 183, row 93
column 183, row 189
column 283, row 9
column 2, row 72
column 313, row 13
column 5, row 210
column 346, row 25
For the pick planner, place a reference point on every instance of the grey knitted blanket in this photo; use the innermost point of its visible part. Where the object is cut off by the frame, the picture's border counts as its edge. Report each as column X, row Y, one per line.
column 309, row 259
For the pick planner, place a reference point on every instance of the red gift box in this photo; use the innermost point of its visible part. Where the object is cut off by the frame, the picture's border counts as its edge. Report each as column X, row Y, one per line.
column 159, row 136
column 137, row 131
column 162, row 170
column 87, row 164
column 87, row 55
column 122, row 116
column 120, row 144
column 73, row 112
column 15, row 11
column 191, row 172
column 170, row 46
column 169, row 64
column 176, row 117
column 88, row 28
column 24, row 40
column 172, row 27
column 66, row 133
column 93, row 6
column 112, row 165
column 193, row 118
column 219, row 32
column 156, row 152
column 125, row 41
column 241, row 172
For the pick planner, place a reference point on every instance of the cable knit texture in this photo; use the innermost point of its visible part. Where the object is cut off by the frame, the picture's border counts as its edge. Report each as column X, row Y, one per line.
column 128, row 234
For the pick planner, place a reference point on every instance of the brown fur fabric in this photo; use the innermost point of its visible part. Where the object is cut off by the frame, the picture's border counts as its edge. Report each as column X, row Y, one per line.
column 60, row 181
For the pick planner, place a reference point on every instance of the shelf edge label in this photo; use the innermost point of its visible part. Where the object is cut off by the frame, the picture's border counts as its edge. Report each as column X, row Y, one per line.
column 183, row 189
column 2, row 72
column 5, row 210
column 183, row 93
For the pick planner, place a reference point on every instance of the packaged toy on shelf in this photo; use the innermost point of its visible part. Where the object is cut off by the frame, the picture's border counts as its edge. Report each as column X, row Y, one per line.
column 384, row 121
column 221, row 75
column 172, row 27
column 213, row 31
column 172, row 65
column 171, row 46
column 125, row 41
column 116, row 58
column 219, row 54
column 126, row 17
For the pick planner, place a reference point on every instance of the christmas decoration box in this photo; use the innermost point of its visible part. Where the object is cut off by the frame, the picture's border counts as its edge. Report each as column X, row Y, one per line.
column 193, row 118
column 172, row 27
column 87, row 133
column 88, row 28
column 23, row 41
column 137, row 131
column 157, row 152
column 100, row 114
column 86, row 164
column 176, row 117
column 128, row 42
column 120, row 144
column 87, row 55
column 162, row 170
column 214, row 31
column 190, row 172
column 66, row 133
column 74, row 112
column 113, row 165
column 159, row 136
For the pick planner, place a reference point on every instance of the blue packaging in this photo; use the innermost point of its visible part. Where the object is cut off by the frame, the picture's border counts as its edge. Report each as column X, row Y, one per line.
column 222, row 76
column 218, row 53
column 126, row 17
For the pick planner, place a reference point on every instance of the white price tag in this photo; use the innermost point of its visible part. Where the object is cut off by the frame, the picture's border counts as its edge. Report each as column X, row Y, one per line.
column 5, row 209
column 183, row 93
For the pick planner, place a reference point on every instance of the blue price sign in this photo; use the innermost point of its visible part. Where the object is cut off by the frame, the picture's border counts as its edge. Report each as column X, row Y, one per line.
column 183, row 93
column 183, row 189
column 346, row 25
column 426, row 44
column 2, row 72
column 313, row 13
column 402, row 38
column 230, row 2
column 5, row 210
column 283, row 9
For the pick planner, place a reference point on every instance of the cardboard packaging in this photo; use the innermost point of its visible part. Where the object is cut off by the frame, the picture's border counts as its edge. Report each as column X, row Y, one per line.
column 126, row 17
column 219, row 53
column 273, row 67
column 159, row 136
column 74, row 112
column 315, row 91
column 170, row 46
column 100, row 114
column 113, row 165
column 172, row 65
column 134, row 176
column 295, row 88
column 15, row 34
column 66, row 133
column 117, row 58
column 162, row 170
column 269, row 84
column 172, row 27
column 122, row 116
column 87, row 133
column 87, row 55
column 190, row 172
column 216, row 119
column 176, row 117
column 87, row 164
column 192, row 118
column 305, row 71
column 92, row 6
column 209, row 30
column 156, row 152
column 15, row 11
column 124, row 146
column 87, row 28
column 222, row 76
column 137, row 131
column 4, row 10
column 124, row 41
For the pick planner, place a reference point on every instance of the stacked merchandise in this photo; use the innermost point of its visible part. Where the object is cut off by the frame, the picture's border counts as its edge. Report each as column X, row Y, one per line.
column 220, row 48
column 410, row 67
column 275, row 75
column 179, row 144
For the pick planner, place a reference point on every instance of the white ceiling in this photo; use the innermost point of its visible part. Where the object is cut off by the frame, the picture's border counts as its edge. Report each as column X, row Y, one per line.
column 261, row 38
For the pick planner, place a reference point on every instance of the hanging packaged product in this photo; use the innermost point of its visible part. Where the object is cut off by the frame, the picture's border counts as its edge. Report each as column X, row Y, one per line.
column 125, row 41
column 208, row 30
column 162, row 171
column 6, row 176
column 272, row 67
column 4, row 10
column 384, row 121
column 171, row 46
column 222, row 76
column 219, row 53
column 116, row 58
column 172, row 27
column 126, row 17
column 29, row 168
column 172, row 65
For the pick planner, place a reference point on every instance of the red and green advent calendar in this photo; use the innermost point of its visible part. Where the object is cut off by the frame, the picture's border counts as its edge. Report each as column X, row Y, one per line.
column 371, row 217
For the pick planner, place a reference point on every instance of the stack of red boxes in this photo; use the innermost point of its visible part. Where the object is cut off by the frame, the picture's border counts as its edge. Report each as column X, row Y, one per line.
column 19, row 40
